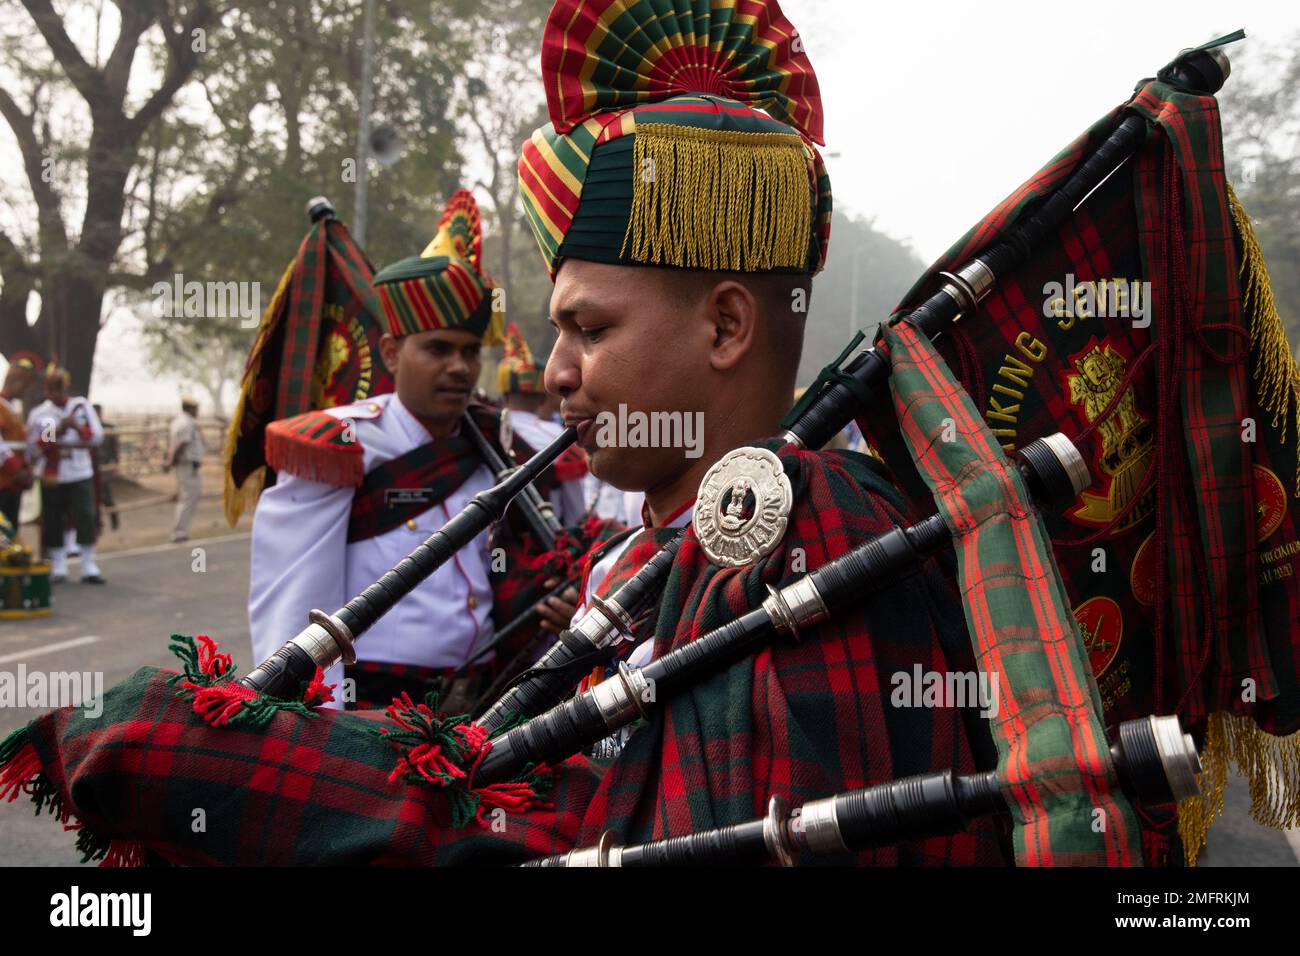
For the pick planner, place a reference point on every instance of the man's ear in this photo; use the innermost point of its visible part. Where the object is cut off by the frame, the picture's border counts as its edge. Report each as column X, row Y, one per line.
column 389, row 346
column 735, row 315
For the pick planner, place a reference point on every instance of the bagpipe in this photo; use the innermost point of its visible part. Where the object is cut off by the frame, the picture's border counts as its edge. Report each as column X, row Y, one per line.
column 478, row 771
column 1051, row 466
column 1156, row 764
column 847, row 389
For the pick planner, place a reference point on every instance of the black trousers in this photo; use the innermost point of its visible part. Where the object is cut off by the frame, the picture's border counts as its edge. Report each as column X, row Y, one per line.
column 75, row 498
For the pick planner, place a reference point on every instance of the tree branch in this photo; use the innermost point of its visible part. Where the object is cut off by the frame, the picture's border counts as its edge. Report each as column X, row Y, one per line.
column 49, row 215
column 88, row 81
column 181, row 63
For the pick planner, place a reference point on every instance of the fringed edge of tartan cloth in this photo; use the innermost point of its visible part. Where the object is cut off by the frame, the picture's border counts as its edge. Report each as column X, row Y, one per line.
column 1054, row 761
column 434, row 750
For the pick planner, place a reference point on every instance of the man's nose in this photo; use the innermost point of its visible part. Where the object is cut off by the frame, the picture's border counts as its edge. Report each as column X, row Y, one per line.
column 561, row 376
column 458, row 364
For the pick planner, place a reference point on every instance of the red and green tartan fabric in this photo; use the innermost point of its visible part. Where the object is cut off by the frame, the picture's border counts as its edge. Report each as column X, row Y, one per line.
column 317, row 346
column 804, row 719
column 1181, row 561
column 1054, row 759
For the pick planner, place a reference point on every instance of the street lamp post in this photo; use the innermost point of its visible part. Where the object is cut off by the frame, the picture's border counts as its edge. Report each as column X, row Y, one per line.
column 363, row 129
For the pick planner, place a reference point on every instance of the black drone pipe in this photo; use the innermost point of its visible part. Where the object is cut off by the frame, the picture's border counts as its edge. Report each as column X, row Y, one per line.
column 544, row 684
column 1055, row 474
column 535, row 509
column 329, row 637
column 1155, row 762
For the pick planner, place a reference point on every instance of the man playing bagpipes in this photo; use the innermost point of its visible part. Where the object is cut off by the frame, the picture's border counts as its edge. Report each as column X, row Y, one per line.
column 669, row 210
column 360, row 485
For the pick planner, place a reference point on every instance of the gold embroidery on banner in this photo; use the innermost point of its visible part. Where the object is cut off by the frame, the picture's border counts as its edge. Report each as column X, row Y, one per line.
column 1126, row 439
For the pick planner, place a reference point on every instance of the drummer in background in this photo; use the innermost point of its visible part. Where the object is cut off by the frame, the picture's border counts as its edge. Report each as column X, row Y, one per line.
column 15, row 474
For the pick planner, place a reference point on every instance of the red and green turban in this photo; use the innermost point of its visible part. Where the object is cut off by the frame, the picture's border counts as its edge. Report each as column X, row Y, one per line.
column 517, row 373
column 657, row 152
column 443, row 287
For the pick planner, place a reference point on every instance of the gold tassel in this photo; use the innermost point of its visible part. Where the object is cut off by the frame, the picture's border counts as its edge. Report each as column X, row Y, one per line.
column 719, row 199
column 1275, row 366
column 236, row 500
column 1271, row 765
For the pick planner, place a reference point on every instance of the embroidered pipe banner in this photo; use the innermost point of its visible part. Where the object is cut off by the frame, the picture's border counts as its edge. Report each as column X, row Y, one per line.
column 1145, row 330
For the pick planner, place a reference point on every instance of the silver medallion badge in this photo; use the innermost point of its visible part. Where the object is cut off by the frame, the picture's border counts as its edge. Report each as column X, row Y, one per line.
column 742, row 507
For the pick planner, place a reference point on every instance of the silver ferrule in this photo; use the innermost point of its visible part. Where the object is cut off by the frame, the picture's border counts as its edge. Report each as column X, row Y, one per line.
column 1178, row 755
column 614, row 612
column 622, row 698
column 1067, row 453
column 326, row 639
column 795, row 606
column 790, row 438
column 775, row 836
column 817, row 828
column 968, row 285
column 978, row 277
column 596, row 626
column 603, row 853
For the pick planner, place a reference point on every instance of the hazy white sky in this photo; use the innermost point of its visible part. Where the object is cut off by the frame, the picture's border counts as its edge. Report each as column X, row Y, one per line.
column 936, row 109
column 940, row 109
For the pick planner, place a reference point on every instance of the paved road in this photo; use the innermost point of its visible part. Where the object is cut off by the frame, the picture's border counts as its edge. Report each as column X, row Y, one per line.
column 155, row 592
column 151, row 594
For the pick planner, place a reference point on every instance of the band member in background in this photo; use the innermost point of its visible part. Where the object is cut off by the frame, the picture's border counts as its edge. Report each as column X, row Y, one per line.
column 106, row 458
column 359, row 486
column 519, row 381
column 15, row 473
column 185, row 454
column 60, row 434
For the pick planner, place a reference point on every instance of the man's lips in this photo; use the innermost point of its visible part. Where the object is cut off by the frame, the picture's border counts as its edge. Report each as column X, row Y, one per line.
column 582, row 424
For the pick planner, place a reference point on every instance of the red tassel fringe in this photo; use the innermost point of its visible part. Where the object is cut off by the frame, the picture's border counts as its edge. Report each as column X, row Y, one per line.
column 19, row 773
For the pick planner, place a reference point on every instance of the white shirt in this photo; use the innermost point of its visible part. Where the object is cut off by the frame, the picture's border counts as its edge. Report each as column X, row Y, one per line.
column 75, row 464
column 184, row 431
column 567, row 499
column 301, row 559
column 643, row 652
column 606, row 501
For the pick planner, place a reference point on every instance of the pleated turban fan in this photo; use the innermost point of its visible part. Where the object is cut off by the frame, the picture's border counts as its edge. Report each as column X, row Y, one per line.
column 682, row 134
column 444, row 287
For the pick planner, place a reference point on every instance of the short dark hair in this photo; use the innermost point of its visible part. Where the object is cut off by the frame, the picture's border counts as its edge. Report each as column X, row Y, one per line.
column 784, row 298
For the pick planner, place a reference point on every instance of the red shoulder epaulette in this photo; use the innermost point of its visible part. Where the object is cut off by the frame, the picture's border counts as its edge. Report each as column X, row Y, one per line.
column 318, row 447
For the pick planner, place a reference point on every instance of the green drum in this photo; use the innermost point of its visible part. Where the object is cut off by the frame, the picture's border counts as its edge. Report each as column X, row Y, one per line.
column 25, row 591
